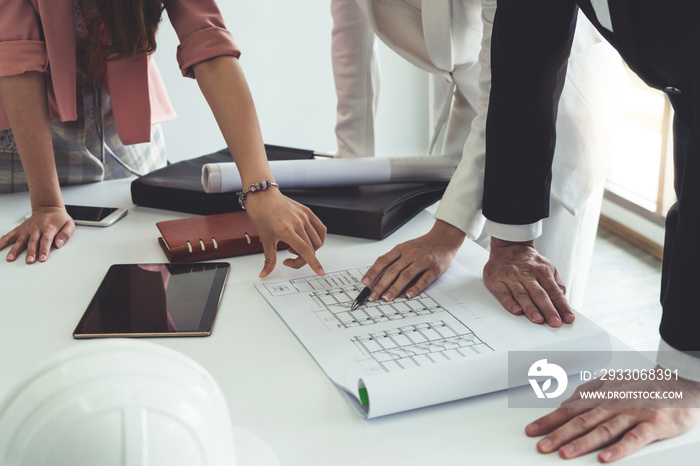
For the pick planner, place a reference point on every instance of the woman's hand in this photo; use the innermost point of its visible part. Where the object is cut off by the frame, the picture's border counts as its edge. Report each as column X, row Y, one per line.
column 48, row 225
column 278, row 218
column 275, row 216
column 416, row 263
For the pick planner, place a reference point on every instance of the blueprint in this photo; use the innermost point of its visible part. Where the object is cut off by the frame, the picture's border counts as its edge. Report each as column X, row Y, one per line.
column 449, row 342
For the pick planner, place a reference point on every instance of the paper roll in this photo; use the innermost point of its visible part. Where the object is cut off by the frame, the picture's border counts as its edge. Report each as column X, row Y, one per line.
column 289, row 174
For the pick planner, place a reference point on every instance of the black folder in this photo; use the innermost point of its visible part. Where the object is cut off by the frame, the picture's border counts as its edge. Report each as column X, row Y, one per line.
column 367, row 211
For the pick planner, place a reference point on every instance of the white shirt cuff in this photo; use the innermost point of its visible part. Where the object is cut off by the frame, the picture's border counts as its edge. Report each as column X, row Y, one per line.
column 670, row 358
column 516, row 233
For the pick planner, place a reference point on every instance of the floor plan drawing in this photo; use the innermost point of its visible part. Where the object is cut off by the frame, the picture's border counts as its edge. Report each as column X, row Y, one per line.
column 334, row 308
column 418, row 345
column 449, row 342
column 439, row 339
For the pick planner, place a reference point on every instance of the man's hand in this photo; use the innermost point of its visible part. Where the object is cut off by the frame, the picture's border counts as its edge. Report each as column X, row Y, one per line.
column 416, row 263
column 524, row 281
column 578, row 428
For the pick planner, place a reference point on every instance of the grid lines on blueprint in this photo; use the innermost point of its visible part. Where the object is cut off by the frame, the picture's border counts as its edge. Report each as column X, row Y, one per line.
column 438, row 337
column 418, row 345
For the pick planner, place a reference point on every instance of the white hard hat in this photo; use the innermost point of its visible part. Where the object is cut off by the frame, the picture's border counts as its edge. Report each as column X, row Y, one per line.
column 118, row 402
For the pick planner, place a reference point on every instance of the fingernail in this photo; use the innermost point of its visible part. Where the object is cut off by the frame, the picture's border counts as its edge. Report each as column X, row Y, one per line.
column 567, row 450
column 10, row 257
column 372, row 296
column 365, row 281
column 554, row 321
column 605, row 455
column 321, row 271
column 569, row 318
column 532, row 428
column 537, row 317
column 545, row 444
column 409, row 294
column 387, row 297
column 59, row 243
column 42, row 258
column 30, row 258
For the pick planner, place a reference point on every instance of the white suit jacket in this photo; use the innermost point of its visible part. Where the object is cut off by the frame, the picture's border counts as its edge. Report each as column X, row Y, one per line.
column 450, row 39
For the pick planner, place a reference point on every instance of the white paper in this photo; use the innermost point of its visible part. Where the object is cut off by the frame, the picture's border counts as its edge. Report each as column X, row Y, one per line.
column 448, row 343
column 289, row 174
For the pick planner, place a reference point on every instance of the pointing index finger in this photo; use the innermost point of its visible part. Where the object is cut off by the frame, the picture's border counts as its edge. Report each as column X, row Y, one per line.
column 307, row 253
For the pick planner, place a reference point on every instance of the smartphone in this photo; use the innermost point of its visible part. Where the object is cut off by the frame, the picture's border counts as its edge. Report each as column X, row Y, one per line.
column 94, row 216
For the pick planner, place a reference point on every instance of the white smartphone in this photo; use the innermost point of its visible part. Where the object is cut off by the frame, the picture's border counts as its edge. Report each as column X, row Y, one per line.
column 94, row 216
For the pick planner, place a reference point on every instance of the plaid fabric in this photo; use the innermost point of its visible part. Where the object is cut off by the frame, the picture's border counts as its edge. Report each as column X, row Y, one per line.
column 82, row 156
column 89, row 149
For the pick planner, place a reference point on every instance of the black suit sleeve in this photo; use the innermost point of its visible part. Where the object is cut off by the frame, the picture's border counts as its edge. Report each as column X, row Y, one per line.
column 529, row 51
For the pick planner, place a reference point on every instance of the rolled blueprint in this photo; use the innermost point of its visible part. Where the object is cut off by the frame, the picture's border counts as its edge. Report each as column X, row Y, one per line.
column 289, row 174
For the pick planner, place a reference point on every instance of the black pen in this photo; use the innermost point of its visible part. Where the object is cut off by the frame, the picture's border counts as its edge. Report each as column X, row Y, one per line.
column 361, row 297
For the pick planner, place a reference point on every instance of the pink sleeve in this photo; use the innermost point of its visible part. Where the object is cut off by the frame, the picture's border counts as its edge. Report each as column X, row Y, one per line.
column 201, row 31
column 21, row 46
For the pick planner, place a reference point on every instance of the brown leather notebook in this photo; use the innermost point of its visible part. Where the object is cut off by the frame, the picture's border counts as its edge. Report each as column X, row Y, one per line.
column 209, row 237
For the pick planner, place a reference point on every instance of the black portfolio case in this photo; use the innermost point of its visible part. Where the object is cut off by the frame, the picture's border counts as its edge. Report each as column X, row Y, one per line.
column 367, row 211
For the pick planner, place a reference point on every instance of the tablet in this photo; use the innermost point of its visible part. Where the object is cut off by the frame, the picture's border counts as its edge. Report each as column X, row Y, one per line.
column 155, row 300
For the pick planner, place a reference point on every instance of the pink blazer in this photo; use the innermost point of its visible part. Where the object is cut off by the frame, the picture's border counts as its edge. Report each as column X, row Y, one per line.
column 39, row 35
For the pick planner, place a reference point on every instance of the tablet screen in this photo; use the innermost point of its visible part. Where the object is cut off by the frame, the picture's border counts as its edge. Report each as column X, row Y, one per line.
column 151, row 300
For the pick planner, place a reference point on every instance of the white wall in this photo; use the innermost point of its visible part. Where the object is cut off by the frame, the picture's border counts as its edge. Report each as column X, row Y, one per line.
column 286, row 57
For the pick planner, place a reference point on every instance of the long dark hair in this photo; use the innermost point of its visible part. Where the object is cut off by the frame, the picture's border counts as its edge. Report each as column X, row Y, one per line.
column 124, row 28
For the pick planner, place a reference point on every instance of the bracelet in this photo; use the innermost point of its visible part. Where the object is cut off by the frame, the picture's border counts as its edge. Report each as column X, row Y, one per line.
column 262, row 185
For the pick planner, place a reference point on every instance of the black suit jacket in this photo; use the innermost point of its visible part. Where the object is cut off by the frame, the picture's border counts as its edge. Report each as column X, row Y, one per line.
column 530, row 46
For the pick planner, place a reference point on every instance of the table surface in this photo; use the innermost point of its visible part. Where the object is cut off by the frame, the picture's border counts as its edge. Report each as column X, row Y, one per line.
column 272, row 385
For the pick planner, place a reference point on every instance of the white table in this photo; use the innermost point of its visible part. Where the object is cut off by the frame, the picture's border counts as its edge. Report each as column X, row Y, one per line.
column 272, row 385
